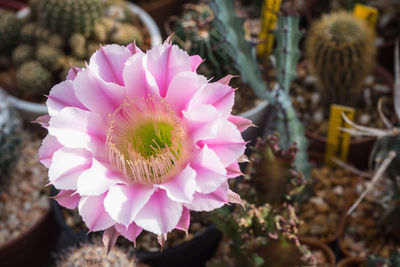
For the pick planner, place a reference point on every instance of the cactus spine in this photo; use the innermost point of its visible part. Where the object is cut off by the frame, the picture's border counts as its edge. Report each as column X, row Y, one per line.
column 10, row 139
column 341, row 54
column 66, row 17
column 9, row 30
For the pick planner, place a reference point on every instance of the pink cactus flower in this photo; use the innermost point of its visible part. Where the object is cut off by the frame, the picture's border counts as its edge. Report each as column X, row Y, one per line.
column 138, row 140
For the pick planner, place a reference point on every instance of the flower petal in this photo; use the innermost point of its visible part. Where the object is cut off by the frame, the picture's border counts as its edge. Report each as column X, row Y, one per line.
column 211, row 201
column 77, row 128
column 62, row 95
column 234, row 198
column 134, row 49
column 184, row 221
column 131, row 232
column 73, row 71
column 240, row 122
column 67, row 164
column 96, row 94
column 210, row 171
column 196, row 60
column 123, row 202
column 68, row 199
column 109, row 61
column 110, row 236
column 91, row 209
column 200, row 121
column 181, row 187
column 166, row 61
column 233, row 170
column 160, row 214
column 49, row 145
column 182, row 88
column 96, row 180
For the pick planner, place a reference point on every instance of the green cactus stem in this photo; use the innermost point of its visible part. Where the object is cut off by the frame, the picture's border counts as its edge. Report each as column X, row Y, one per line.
column 33, row 79
column 49, row 57
column 22, row 53
column 125, row 34
column 9, row 30
column 340, row 49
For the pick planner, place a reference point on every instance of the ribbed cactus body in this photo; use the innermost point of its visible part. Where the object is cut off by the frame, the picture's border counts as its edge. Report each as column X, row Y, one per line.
column 341, row 54
column 125, row 34
column 66, row 17
column 33, row 79
column 22, row 53
column 49, row 57
column 9, row 30
column 10, row 139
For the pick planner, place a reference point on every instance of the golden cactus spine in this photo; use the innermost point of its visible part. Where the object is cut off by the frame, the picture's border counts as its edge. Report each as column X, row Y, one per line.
column 341, row 53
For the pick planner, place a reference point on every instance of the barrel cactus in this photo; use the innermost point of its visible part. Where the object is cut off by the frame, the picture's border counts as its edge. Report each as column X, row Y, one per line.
column 9, row 30
column 10, row 139
column 125, row 34
column 67, row 17
column 341, row 54
column 49, row 57
column 22, row 53
column 33, row 79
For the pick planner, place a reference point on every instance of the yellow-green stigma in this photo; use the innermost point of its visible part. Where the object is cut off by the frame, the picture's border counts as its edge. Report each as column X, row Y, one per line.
column 147, row 147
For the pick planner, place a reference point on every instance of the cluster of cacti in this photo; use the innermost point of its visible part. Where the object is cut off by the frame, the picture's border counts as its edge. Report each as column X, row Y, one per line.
column 66, row 17
column 393, row 260
column 195, row 32
column 92, row 255
column 267, row 228
column 9, row 29
column 241, row 52
column 10, row 139
column 57, row 34
column 340, row 49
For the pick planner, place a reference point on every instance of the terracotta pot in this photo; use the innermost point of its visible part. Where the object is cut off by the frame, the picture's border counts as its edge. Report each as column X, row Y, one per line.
column 360, row 148
column 350, row 262
column 32, row 247
column 315, row 244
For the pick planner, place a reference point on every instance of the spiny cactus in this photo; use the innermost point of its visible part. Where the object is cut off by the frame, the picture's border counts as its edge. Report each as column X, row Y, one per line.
column 49, row 57
column 125, row 34
column 9, row 30
column 272, row 172
column 392, row 261
column 341, row 53
column 77, row 43
column 22, row 53
column 195, row 32
column 28, row 32
column 92, row 255
column 33, row 78
column 10, row 139
column 66, row 17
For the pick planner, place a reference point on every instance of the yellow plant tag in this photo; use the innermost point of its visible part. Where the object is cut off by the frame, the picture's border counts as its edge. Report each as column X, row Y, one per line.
column 338, row 141
column 370, row 14
column 268, row 20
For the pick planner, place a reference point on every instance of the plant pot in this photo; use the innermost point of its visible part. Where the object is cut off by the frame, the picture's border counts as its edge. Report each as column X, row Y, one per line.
column 33, row 247
column 314, row 244
column 360, row 148
column 28, row 110
column 351, row 262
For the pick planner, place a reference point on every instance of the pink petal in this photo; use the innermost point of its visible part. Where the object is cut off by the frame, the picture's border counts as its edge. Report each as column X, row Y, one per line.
column 234, row 198
column 109, row 61
column 110, row 236
column 68, row 199
column 49, row 145
column 164, row 62
column 73, row 71
column 184, row 221
column 200, row 121
column 217, row 94
column 210, row 171
column 228, row 144
column 139, row 82
column 133, row 48
column 227, row 79
column 96, row 94
column 97, row 179
column 181, row 187
column 182, row 88
column 77, row 128
column 211, row 201
column 123, row 202
column 91, row 208
column 195, row 60
column 233, row 170
column 160, row 214
column 67, row 164
column 131, row 232
column 43, row 121
column 62, row 95
column 240, row 122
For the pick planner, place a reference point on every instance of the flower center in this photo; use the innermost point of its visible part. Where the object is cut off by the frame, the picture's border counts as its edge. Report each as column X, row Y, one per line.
column 147, row 144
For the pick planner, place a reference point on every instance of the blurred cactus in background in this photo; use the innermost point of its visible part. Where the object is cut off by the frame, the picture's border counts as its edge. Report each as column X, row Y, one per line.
column 10, row 139
column 33, row 79
column 392, row 261
column 9, row 30
column 340, row 49
column 22, row 53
